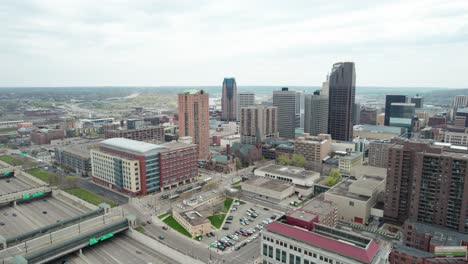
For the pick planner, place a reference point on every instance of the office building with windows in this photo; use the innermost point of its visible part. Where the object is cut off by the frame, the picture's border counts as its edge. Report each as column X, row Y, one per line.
column 341, row 101
column 315, row 114
column 288, row 104
column 244, row 99
column 389, row 99
column 229, row 100
column 258, row 123
column 194, row 120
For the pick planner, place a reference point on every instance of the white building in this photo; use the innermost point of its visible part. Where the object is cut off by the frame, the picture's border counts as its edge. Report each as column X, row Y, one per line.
column 244, row 99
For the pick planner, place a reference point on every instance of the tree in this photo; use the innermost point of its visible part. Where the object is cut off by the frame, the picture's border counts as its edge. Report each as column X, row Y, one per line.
column 298, row 160
column 53, row 179
column 238, row 164
column 283, row 160
column 333, row 177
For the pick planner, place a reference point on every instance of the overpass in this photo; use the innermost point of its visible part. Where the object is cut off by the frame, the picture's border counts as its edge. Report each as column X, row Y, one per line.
column 41, row 246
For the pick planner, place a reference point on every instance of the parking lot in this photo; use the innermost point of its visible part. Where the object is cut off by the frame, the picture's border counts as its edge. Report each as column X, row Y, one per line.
column 251, row 227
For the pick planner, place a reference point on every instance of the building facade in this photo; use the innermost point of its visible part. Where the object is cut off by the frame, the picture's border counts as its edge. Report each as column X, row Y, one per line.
column 258, row 123
column 341, row 101
column 315, row 114
column 460, row 101
column 76, row 157
column 418, row 101
column 378, row 153
column 314, row 149
column 229, row 100
column 139, row 168
column 141, row 134
column 194, row 120
column 287, row 241
column 288, row 105
column 244, row 99
column 389, row 99
column 44, row 136
column 456, row 138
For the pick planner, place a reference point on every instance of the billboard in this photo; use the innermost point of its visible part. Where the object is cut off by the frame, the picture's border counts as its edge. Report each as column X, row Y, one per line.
column 441, row 251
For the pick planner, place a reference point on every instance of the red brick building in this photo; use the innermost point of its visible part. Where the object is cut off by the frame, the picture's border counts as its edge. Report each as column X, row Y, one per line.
column 140, row 134
column 44, row 136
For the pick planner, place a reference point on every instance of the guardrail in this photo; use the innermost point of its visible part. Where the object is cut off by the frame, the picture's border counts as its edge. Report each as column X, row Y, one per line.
column 22, row 195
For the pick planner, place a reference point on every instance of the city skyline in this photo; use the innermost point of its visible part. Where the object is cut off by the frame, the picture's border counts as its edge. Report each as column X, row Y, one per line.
column 64, row 44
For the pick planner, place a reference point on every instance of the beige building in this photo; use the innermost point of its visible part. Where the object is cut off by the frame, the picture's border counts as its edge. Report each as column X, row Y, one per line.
column 355, row 199
column 378, row 153
column 103, row 169
column 381, row 119
column 194, row 119
column 456, row 138
column 325, row 210
column 348, row 162
column 194, row 222
column 314, row 149
column 258, row 123
column 268, row 190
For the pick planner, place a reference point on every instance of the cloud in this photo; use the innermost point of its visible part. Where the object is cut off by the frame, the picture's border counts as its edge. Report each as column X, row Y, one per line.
column 155, row 42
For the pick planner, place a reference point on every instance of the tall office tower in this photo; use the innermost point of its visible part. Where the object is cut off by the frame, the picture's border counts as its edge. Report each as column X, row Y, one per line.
column 325, row 87
column 418, row 101
column 389, row 99
column 258, row 123
column 316, row 114
column 357, row 114
column 440, row 190
column 400, row 178
column 341, row 101
column 288, row 104
column 460, row 101
column 378, row 153
column 194, row 120
column 301, row 108
column 244, row 99
column 229, row 100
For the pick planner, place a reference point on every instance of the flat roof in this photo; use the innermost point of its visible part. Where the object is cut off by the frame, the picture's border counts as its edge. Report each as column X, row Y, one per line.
column 412, row 251
column 138, row 147
column 342, row 189
column 362, row 170
column 318, row 205
column 177, row 145
column 290, row 171
column 330, row 239
column 440, row 236
column 302, row 215
column 194, row 217
column 368, row 182
column 267, row 184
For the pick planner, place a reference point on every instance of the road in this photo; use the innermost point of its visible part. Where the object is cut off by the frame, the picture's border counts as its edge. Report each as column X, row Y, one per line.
column 87, row 184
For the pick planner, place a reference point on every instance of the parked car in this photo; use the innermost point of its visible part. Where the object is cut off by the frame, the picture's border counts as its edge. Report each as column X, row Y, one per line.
column 161, row 237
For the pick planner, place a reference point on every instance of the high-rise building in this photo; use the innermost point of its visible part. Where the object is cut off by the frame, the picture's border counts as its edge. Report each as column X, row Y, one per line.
column 316, row 114
column 229, row 100
column 378, row 153
column 428, row 184
column 368, row 116
column 418, row 101
column 341, row 101
column 194, row 119
column 389, row 99
column 244, row 99
column 357, row 114
column 460, row 101
column 325, row 87
column 258, row 123
column 288, row 104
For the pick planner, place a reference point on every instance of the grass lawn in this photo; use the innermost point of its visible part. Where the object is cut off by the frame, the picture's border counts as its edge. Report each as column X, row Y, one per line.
column 140, row 229
column 8, row 130
column 7, row 159
column 170, row 221
column 39, row 173
column 162, row 216
column 89, row 196
column 227, row 204
column 217, row 220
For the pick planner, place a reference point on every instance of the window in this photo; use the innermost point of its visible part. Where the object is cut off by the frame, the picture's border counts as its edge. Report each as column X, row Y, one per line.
column 306, row 261
column 351, row 203
column 265, row 250
column 270, row 251
column 291, row 258
column 283, row 256
column 278, row 253
column 298, row 260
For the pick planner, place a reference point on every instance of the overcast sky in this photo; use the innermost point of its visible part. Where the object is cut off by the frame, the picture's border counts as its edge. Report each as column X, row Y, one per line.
column 198, row 42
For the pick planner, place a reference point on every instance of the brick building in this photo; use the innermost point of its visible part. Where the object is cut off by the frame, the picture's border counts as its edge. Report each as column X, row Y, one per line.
column 44, row 136
column 141, row 134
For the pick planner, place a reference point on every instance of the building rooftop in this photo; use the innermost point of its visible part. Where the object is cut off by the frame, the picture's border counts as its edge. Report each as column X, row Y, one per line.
column 319, row 206
column 79, row 150
column 344, row 243
column 194, row 218
column 380, row 129
column 440, row 236
column 351, row 156
column 342, row 189
column 361, row 171
column 267, row 184
column 289, row 171
column 134, row 146
column 193, row 91
column 303, row 215
column 412, row 251
column 177, row 145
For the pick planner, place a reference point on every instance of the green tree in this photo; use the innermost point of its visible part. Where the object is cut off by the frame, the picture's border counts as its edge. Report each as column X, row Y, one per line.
column 298, row 160
column 333, row 177
column 283, row 160
column 330, row 181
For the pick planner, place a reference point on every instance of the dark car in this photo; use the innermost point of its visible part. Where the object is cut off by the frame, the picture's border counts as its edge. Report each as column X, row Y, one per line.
column 161, row 237
column 225, row 228
column 273, row 217
column 266, row 209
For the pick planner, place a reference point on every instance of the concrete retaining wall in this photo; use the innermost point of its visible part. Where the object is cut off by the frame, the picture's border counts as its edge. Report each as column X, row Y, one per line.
column 68, row 198
column 28, row 178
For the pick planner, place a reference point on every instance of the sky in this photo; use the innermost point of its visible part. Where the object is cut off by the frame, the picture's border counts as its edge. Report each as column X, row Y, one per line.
column 199, row 42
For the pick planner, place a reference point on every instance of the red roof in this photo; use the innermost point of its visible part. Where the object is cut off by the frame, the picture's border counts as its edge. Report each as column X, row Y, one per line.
column 364, row 255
